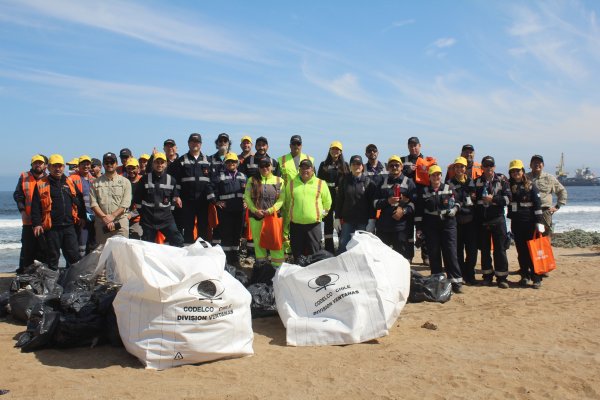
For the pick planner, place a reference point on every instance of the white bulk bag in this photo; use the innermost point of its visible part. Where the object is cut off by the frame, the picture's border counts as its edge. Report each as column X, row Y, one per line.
column 352, row 298
column 177, row 305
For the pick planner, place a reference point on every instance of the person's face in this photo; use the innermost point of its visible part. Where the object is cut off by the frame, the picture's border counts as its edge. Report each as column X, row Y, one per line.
column 536, row 166
column 38, row 167
column 143, row 163
column 459, row 170
column 372, row 154
column 194, row 145
column 159, row 165
column 223, row 144
column 231, row 165
column 356, row 168
column 306, row 173
column 132, row 171
column 56, row 170
column 295, row 148
column 488, row 169
column 394, row 168
column 414, row 149
column 265, row 169
column 96, row 170
column 84, row 168
column 246, row 146
column 468, row 154
column 124, row 159
column 261, row 148
column 335, row 153
column 516, row 174
column 110, row 165
column 170, row 149
column 435, row 178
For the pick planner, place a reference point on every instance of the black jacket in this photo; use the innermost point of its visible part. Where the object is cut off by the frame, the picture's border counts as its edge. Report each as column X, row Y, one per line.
column 230, row 189
column 525, row 205
column 153, row 199
column 192, row 177
column 499, row 189
column 250, row 166
column 354, row 199
column 386, row 189
column 62, row 203
column 463, row 191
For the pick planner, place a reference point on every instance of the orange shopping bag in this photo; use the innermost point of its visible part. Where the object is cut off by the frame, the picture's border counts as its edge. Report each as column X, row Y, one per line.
column 271, row 233
column 541, row 254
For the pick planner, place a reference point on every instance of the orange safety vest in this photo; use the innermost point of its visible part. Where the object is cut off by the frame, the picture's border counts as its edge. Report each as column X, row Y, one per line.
column 422, row 171
column 76, row 179
column 28, row 183
column 44, row 190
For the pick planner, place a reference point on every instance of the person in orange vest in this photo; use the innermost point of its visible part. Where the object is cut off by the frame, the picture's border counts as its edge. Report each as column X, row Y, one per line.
column 82, row 178
column 57, row 206
column 473, row 170
column 133, row 168
column 30, row 246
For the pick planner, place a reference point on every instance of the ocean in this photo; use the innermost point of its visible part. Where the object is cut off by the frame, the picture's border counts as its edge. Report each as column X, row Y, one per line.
column 581, row 212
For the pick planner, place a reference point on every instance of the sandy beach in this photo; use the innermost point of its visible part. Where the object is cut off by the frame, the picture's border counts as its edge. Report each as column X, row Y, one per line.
column 489, row 343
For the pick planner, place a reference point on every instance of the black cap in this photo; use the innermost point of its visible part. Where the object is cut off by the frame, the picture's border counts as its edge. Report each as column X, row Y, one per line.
column 169, row 142
column 296, row 139
column 223, row 136
column 306, row 163
column 537, row 157
column 370, row 147
column 262, row 139
column 488, row 160
column 109, row 156
column 195, row 137
column 356, row 159
column 95, row 162
column 125, row 153
column 413, row 140
column 265, row 160
column 468, row 147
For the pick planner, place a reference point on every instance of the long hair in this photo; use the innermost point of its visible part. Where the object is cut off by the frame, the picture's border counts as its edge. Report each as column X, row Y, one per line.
column 514, row 186
column 342, row 166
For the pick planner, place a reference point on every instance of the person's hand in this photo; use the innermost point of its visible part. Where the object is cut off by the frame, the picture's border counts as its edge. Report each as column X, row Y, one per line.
column 553, row 210
column 107, row 219
column 393, row 200
column 38, row 230
column 398, row 213
column 154, row 151
column 260, row 213
column 337, row 224
column 541, row 228
column 221, row 204
column 371, row 225
column 487, row 199
column 110, row 226
column 451, row 212
column 177, row 201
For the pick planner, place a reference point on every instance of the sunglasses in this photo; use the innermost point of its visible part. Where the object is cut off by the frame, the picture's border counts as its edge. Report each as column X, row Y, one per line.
column 264, row 166
column 109, row 162
column 372, row 151
column 488, row 165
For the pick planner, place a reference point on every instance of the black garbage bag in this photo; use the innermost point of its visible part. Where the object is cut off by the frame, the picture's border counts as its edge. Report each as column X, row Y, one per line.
column 83, row 273
column 75, row 330
column 40, row 328
column 263, row 300
column 4, row 298
column 237, row 274
column 320, row 255
column 22, row 303
column 37, row 286
column 435, row 288
column 263, row 272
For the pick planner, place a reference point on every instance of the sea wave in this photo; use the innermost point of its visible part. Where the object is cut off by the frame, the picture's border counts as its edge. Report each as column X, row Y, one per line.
column 11, row 223
column 10, row 246
column 579, row 209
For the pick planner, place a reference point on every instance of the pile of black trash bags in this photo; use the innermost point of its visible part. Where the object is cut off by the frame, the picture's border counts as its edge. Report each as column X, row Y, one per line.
column 434, row 288
column 64, row 308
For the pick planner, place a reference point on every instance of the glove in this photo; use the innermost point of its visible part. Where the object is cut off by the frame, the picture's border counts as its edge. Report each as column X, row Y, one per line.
column 451, row 212
column 541, row 228
column 337, row 224
column 371, row 226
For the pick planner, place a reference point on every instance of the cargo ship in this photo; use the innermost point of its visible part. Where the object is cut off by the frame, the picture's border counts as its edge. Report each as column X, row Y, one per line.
column 583, row 176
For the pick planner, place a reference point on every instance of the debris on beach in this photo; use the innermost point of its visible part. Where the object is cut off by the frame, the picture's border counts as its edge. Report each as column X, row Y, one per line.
column 429, row 325
column 576, row 238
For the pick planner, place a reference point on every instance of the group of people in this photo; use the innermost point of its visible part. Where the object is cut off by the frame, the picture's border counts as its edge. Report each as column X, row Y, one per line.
column 278, row 204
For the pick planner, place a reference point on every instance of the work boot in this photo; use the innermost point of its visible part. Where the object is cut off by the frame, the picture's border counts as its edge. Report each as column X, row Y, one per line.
column 537, row 285
column 487, row 280
column 457, row 287
column 503, row 284
column 524, row 282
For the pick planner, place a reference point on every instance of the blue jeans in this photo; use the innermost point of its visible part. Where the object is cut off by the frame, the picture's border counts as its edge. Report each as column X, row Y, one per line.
column 347, row 230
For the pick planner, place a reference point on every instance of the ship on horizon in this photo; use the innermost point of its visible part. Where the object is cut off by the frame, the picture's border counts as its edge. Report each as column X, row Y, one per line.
column 583, row 176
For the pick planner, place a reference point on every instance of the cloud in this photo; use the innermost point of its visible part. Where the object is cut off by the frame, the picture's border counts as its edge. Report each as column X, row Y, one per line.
column 398, row 24
column 168, row 29
column 444, row 42
column 436, row 49
column 345, row 86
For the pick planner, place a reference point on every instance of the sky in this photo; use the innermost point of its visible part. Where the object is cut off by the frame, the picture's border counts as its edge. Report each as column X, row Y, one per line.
column 513, row 78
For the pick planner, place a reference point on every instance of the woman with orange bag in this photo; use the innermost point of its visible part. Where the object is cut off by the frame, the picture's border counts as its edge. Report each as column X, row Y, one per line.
column 264, row 197
column 525, row 213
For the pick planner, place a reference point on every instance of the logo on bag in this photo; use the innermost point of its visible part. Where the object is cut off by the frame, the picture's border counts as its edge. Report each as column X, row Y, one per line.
column 178, row 356
column 209, row 289
column 323, row 281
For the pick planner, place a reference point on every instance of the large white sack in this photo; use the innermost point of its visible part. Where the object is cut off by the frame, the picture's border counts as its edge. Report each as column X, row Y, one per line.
column 177, row 305
column 352, row 298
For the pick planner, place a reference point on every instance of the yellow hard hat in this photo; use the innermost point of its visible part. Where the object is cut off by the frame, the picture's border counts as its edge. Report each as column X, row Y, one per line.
column 84, row 158
column 231, row 157
column 394, row 158
column 74, row 161
column 56, row 159
column 144, row 157
column 160, row 156
column 516, row 164
column 132, row 162
column 248, row 138
column 461, row 161
column 337, row 144
column 434, row 168
column 37, row 157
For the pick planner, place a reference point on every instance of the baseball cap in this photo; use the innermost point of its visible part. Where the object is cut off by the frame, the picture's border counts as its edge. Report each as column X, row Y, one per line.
column 248, row 138
column 144, row 157
column 356, row 159
column 125, row 153
column 84, row 158
column 468, row 147
column 461, row 161
column 296, row 139
column 160, row 156
column 516, row 164
column 231, row 157
column 371, row 147
column 132, row 162
column 265, row 160
column 109, row 156
column 262, row 139
column 394, row 158
column 434, row 168
column 73, row 161
column 306, row 163
column 56, row 159
column 169, row 142
column 413, row 140
column 223, row 136
column 537, row 157
column 337, row 144
column 488, row 160
column 195, row 137
column 37, row 157
column 96, row 162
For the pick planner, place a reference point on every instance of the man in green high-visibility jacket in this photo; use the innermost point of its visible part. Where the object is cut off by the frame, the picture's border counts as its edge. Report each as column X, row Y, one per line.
column 307, row 202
